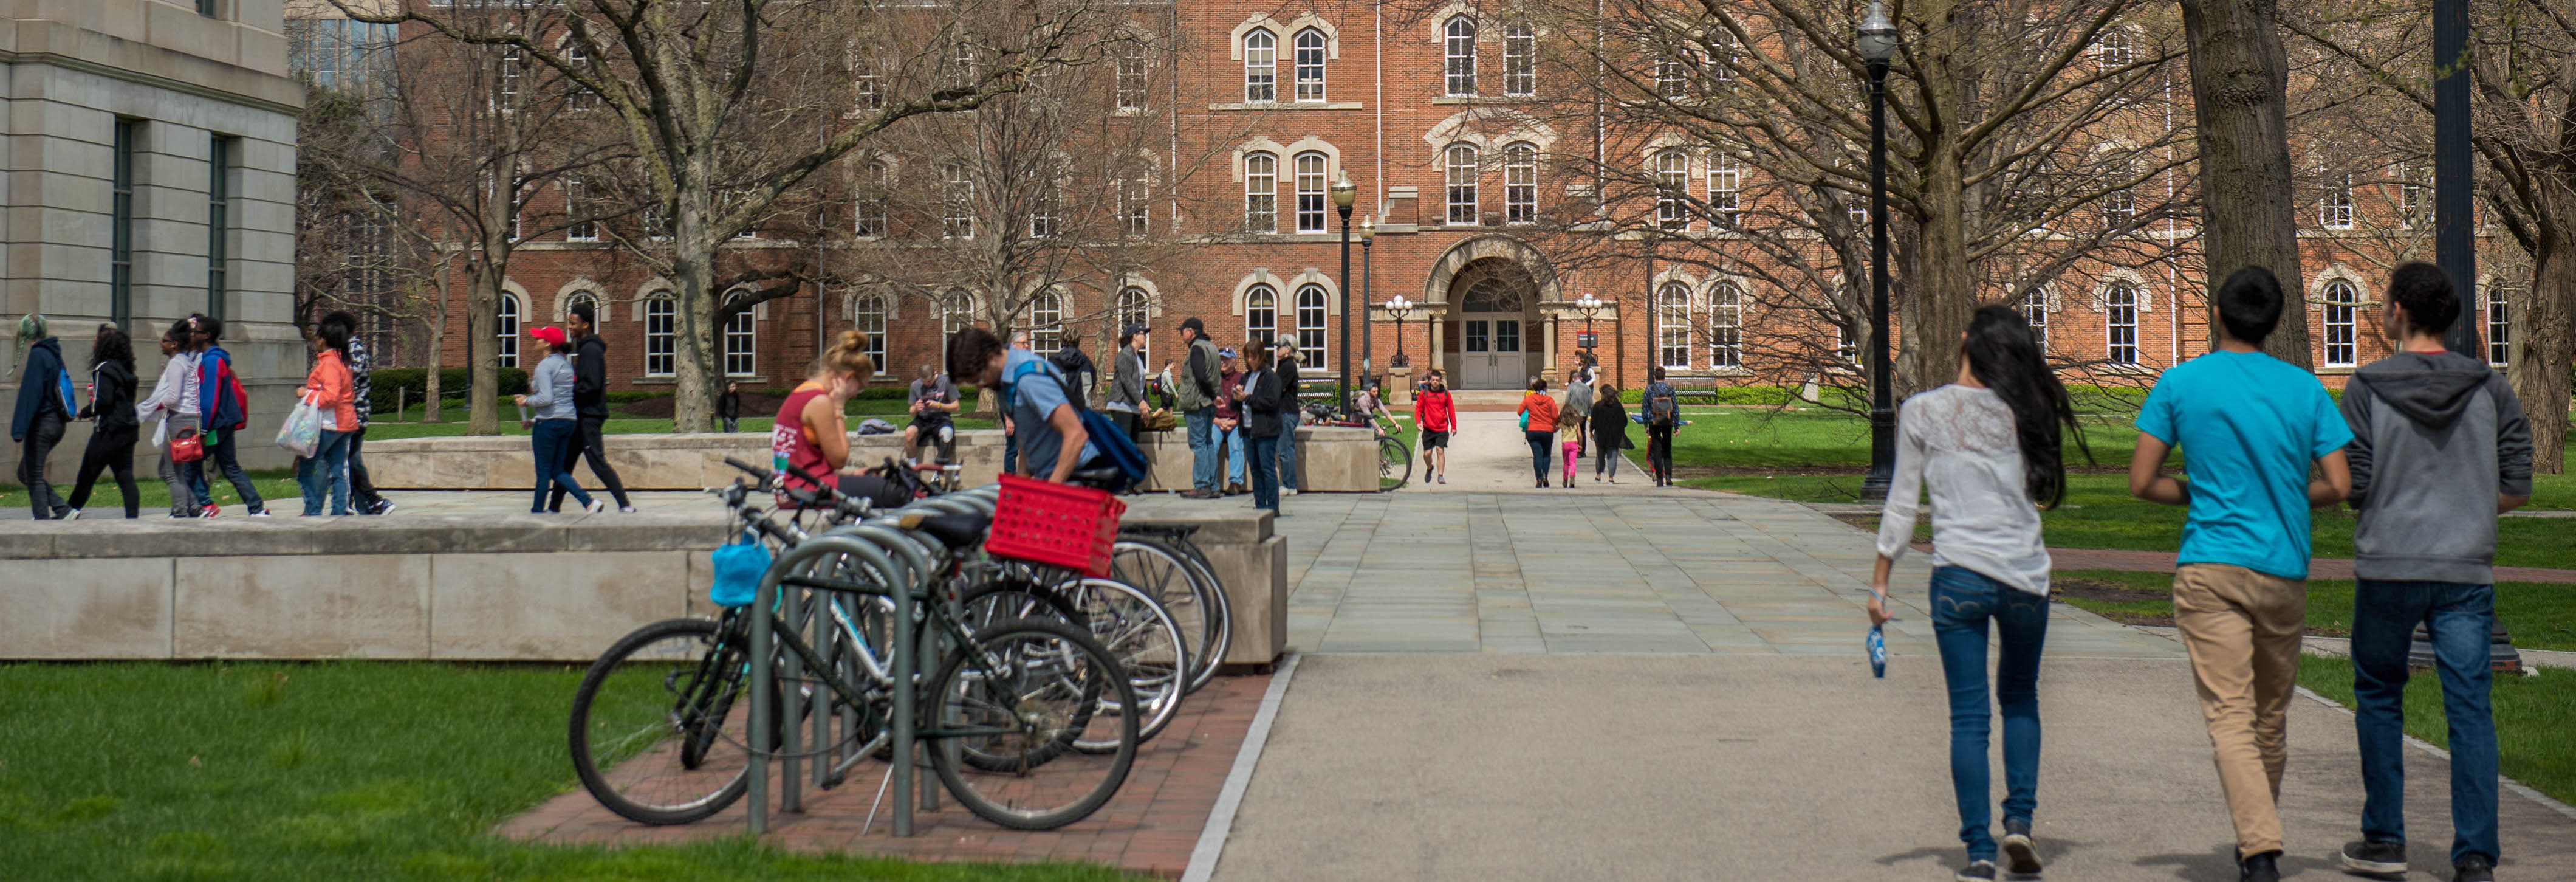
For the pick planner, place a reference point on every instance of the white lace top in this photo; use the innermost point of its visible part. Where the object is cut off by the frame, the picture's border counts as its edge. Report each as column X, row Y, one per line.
column 1960, row 442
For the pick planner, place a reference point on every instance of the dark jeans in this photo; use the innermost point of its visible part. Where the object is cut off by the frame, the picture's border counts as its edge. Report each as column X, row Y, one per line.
column 733, row 424
column 2461, row 618
column 1125, row 421
column 1659, row 452
column 1011, row 453
column 1543, row 449
column 589, row 444
column 1265, row 472
column 1963, row 601
column 1205, row 467
column 326, row 470
column 1288, row 448
column 114, row 452
column 362, row 489
column 45, row 432
column 220, row 455
column 1605, row 461
column 549, row 443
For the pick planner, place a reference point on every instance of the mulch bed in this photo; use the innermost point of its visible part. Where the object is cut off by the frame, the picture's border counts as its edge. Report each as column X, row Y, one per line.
column 2062, row 589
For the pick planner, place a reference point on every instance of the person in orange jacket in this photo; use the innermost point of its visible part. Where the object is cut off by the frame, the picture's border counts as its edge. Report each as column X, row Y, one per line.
column 1538, row 414
column 329, row 387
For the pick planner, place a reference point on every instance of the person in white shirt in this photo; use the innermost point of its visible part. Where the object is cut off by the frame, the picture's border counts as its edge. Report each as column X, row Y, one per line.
column 1988, row 445
column 174, row 397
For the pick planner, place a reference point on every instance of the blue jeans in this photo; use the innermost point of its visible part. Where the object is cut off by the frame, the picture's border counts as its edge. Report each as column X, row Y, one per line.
column 1234, row 453
column 2461, row 618
column 1265, row 473
column 1288, row 449
column 1963, row 601
column 1203, row 462
column 220, row 455
column 1543, row 449
column 550, row 443
column 327, row 468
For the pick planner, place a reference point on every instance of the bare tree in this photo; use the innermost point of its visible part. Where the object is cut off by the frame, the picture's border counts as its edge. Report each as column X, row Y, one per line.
column 2240, row 95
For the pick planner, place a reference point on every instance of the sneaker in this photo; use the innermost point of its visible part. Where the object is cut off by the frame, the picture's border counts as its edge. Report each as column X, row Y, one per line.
column 385, row 507
column 2021, row 856
column 2263, row 867
column 2376, row 858
column 2473, row 868
column 597, row 506
column 69, row 514
column 626, row 509
column 1288, row 491
column 1977, row 871
column 210, row 511
column 262, row 513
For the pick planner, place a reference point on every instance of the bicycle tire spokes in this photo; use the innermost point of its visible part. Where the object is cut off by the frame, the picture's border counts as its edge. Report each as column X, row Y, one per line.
column 1002, row 711
column 650, row 720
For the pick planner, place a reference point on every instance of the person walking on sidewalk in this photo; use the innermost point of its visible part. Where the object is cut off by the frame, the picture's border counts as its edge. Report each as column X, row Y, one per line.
column 1663, row 412
column 111, row 405
column 1577, row 412
column 327, row 387
column 1538, row 424
column 1264, row 399
column 1989, row 445
column 1609, row 434
column 2440, row 447
column 173, row 409
column 362, row 489
column 1437, row 416
column 223, row 407
column 1283, row 364
column 1194, row 393
column 44, row 412
column 556, row 427
column 2249, row 426
column 590, row 406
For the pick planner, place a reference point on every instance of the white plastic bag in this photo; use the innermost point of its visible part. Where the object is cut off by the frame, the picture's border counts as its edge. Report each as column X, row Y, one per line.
column 302, row 430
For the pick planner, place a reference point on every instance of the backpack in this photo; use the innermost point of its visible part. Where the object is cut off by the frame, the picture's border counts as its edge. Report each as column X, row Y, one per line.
column 1661, row 410
column 230, row 399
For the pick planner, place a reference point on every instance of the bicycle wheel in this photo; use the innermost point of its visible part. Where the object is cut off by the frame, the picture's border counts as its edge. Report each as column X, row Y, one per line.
column 656, row 726
column 1014, row 693
column 1128, row 622
column 1159, row 570
column 1394, row 464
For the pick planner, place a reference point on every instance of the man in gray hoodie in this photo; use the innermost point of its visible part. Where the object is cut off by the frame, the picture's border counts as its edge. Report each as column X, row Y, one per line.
column 2440, row 448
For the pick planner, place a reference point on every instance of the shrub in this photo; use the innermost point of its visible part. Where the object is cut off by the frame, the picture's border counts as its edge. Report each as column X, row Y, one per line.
column 387, row 385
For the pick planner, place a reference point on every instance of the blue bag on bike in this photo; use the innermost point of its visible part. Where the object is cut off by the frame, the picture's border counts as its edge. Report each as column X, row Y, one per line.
column 738, row 567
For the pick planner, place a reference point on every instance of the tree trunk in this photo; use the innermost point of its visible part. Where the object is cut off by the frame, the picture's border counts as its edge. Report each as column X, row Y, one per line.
column 2544, row 345
column 429, row 406
column 483, row 352
column 2240, row 94
column 1945, row 295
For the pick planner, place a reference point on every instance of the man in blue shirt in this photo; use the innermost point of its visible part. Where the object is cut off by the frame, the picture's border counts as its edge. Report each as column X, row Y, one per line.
column 1044, row 423
column 2249, row 426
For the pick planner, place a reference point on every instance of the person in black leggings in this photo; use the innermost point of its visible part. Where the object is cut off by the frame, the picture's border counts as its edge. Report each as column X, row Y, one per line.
column 111, row 403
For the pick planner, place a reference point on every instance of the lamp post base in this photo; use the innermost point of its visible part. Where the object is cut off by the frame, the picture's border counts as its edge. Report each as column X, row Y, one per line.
column 1873, row 487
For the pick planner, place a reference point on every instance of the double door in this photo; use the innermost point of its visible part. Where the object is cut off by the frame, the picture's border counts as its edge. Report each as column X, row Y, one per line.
column 1490, row 354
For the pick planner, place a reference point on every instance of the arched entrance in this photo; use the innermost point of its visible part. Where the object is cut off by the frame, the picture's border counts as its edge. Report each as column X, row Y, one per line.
column 1488, row 292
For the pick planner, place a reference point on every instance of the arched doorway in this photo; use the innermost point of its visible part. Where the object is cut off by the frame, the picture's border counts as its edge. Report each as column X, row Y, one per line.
column 1497, row 328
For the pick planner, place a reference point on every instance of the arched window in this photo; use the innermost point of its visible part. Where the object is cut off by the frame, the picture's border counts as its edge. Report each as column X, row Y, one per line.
column 508, row 330
column 2115, row 47
column 1462, row 185
column 661, row 334
column 867, row 92
column 1725, row 325
column 1459, row 48
column 598, row 315
column 582, row 99
column 581, row 211
column 956, row 312
column 1046, row 322
column 1135, row 308
column 1520, row 60
column 1672, row 325
column 2034, row 309
column 741, row 352
column 1310, row 192
column 870, row 208
column 1260, row 66
column 1520, row 183
column 1260, row 193
column 1260, row 314
column 868, row 315
column 1672, row 180
column 1130, row 83
column 1310, row 65
column 2499, row 325
column 2120, row 322
column 2339, row 307
column 957, row 201
column 1310, row 325
column 1725, row 192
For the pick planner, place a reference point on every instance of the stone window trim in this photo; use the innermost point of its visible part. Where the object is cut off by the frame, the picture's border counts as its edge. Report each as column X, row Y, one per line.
column 1287, row 154
column 1286, row 33
column 1268, row 106
column 2101, row 298
column 1490, row 128
column 580, row 287
column 1285, row 287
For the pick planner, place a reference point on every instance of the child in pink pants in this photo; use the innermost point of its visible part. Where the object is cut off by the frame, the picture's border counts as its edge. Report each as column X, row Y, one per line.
column 1570, row 446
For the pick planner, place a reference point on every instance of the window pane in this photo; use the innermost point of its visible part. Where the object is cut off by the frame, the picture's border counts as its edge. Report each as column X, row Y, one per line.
column 1725, row 190
column 1310, row 65
column 1261, row 193
column 1260, row 67
column 2121, row 324
column 1672, row 325
column 1260, row 313
column 1460, row 52
column 1520, row 60
column 871, row 320
column 1672, row 179
column 661, row 340
column 508, row 331
column 1310, row 326
column 1520, row 184
column 2339, row 324
column 2499, row 325
column 739, row 355
column 1725, row 325
column 1310, row 192
column 1462, row 185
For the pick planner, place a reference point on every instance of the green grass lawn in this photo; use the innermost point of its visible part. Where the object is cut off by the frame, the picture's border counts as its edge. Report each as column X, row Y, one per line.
column 276, row 487
column 2533, row 716
column 379, row 771
column 2539, row 615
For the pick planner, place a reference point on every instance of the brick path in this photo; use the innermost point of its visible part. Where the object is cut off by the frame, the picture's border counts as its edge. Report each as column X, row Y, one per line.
column 1148, row 828
column 2318, row 568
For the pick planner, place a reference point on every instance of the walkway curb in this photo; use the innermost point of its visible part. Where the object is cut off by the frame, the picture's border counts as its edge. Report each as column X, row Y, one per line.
column 1220, row 823
column 2545, row 800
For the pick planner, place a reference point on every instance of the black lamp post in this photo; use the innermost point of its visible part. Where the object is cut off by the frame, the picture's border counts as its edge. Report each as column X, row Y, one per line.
column 1877, row 44
column 1344, row 193
column 1368, row 331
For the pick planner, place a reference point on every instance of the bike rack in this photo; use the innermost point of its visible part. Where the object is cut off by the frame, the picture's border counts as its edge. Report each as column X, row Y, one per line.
column 764, row 677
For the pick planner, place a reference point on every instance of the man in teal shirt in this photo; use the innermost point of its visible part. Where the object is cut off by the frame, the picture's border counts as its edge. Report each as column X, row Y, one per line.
column 2249, row 426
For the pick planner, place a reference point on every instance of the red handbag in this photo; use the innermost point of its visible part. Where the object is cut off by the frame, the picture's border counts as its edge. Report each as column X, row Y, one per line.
column 187, row 447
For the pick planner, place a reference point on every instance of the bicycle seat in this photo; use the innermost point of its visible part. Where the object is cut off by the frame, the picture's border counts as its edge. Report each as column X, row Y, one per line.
column 1102, row 477
column 957, row 531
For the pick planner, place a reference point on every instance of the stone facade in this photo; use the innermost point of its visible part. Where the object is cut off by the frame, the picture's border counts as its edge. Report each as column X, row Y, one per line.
column 180, row 86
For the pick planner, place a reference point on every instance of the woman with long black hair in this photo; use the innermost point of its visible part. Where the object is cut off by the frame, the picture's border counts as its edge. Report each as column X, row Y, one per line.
column 1988, row 445
column 111, row 404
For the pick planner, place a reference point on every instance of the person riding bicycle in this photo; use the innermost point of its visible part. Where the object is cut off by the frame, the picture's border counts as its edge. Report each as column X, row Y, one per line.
column 1052, row 442
column 1371, row 409
column 810, row 433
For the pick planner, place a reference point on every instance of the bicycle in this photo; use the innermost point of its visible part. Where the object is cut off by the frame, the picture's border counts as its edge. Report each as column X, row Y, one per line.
column 1394, row 457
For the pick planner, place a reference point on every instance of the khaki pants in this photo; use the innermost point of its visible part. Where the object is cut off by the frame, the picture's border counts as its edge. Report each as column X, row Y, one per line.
column 2242, row 629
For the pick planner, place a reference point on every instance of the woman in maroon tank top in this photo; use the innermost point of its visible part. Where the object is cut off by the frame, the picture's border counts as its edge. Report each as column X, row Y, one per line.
column 810, row 433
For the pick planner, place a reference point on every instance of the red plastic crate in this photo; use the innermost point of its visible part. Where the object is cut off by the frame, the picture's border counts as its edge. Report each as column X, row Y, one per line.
column 1055, row 524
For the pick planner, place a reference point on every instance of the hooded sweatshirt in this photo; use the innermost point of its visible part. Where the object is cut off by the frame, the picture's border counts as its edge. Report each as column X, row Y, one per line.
column 2436, row 436
column 43, row 388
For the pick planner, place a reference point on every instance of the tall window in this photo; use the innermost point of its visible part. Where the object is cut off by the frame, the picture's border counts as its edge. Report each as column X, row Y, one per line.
column 2119, row 208
column 2339, row 308
column 1310, row 192
column 508, row 335
column 1672, row 325
column 1672, row 76
column 580, row 210
column 120, row 255
column 1310, row 325
column 1310, row 65
column 1721, row 56
column 1462, row 185
column 956, row 312
column 2034, row 310
column 957, row 201
column 2116, row 47
column 741, row 355
column 582, row 297
column 868, row 316
column 1260, row 66
column 2120, row 322
column 1725, row 192
column 1459, row 49
column 1134, row 308
column 2410, row 191
column 1046, row 322
column 1672, row 178
column 661, row 334
column 2334, row 210
column 2499, row 325
column 219, row 223
column 1520, row 60
column 1046, row 213
column 1260, row 193
column 1846, row 344
column 1725, row 325
column 869, row 210
column 1136, row 200
column 1856, row 207
column 868, row 93
column 1520, row 183
column 1260, row 315
column 582, row 98
column 1131, row 75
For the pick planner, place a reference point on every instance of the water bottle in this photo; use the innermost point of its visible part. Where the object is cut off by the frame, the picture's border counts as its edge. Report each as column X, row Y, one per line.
column 1878, row 651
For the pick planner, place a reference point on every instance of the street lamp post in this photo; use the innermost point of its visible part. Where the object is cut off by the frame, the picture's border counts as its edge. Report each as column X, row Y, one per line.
column 1402, row 309
column 1344, row 193
column 1877, row 44
column 1368, row 332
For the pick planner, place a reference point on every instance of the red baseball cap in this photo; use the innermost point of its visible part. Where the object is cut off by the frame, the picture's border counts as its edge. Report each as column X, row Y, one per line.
column 552, row 335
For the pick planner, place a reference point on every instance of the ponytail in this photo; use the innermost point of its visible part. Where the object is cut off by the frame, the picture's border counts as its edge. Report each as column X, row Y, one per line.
column 848, row 356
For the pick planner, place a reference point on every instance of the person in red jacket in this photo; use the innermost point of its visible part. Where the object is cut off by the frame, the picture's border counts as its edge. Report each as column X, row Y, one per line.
column 1437, row 417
